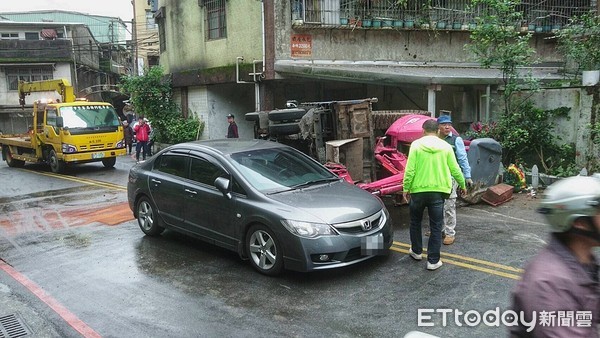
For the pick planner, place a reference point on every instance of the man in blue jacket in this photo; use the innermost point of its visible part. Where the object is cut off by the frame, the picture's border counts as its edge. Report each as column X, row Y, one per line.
column 458, row 145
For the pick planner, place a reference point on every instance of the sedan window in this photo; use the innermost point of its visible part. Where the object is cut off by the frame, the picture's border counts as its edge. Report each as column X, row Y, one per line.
column 205, row 172
column 172, row 164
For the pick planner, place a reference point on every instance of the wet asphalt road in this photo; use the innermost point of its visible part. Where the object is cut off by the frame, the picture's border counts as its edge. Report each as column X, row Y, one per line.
column 74, row 239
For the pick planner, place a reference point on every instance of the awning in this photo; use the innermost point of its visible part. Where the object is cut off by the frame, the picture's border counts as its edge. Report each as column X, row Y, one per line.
column 394, row 73
column 49, row 33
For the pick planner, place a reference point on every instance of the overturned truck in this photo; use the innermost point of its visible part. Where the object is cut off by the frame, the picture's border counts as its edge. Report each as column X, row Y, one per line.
column 321, row 129
column 363, row 146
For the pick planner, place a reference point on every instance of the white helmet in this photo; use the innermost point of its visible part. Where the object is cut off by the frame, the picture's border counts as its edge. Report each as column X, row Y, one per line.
column 569, row 199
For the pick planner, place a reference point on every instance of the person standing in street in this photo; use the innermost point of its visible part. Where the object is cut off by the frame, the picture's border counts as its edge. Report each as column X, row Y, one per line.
column 427, row 182
column 559, row 290
column 128, row 134
column 232, row 130
column 142, row 135
column 458, row 146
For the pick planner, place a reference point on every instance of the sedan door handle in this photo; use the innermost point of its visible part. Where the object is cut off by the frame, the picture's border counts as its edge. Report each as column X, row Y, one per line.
column 156, row 181
column 191, row 192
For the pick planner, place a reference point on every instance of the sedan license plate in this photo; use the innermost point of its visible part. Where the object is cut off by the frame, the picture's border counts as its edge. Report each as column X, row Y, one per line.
column 372, row 245
column 98, row 155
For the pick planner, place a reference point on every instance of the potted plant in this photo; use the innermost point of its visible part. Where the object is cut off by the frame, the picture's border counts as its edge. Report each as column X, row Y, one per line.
column 579, row 42
column 345, row 17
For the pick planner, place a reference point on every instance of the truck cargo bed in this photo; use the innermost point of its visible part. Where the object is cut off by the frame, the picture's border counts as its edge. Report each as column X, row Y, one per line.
column 16, row 140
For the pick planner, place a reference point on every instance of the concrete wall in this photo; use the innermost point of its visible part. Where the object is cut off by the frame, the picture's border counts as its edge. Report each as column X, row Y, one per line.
column 186, row 44
column 372, row 44
column 212, row 104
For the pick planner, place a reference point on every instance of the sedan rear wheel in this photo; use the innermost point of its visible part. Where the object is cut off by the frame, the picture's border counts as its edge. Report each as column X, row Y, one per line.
column 147, row 217
column 264, row 250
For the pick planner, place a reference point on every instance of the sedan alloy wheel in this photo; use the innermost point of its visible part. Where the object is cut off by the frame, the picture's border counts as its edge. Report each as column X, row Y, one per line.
column 147, row 218
column 263, row 250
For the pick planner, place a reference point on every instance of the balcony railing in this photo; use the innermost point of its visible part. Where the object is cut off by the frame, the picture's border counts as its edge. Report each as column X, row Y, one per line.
column 449, row 14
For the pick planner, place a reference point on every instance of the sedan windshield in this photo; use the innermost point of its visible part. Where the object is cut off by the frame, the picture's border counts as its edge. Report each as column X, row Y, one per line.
column 277, row 170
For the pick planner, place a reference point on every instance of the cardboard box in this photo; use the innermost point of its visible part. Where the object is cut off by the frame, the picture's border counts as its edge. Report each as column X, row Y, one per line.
column 348, row 152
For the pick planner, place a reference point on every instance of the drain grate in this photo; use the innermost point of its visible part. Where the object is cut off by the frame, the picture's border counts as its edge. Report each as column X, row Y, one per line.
column 12, row 326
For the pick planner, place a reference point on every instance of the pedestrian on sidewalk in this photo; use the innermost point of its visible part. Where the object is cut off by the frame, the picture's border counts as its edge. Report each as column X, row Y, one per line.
column 458, row 147
column 142, row 135
column 561, row 281
column 427, row 182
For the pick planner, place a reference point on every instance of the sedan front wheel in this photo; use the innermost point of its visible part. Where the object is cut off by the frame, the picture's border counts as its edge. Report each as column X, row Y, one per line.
column 264, row 250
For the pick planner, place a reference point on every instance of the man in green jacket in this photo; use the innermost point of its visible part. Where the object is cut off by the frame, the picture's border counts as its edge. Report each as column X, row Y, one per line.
column 428, row 179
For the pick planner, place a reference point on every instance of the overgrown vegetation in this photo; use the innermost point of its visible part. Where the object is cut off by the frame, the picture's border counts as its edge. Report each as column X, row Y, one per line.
column 152, row 97
column 579, row 41
column 525, row 132
column 527, row 136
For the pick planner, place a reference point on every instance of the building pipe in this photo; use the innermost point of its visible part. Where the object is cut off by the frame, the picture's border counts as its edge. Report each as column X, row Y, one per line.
column 488, row 93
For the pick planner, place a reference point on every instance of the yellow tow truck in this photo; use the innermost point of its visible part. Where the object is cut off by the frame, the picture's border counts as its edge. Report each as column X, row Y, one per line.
column 65, row 132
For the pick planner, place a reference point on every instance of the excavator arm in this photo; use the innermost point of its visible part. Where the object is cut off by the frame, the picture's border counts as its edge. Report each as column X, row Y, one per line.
column 62, row 86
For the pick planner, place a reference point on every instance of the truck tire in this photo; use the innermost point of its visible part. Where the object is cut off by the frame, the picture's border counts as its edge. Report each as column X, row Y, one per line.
column 12, row 162
column 57, row 166
column 284, row 128
column 286, row 114
column 252, row 116
column 109, row 162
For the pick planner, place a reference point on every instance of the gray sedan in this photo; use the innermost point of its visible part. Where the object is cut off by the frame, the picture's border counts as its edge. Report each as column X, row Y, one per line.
column 266, row 201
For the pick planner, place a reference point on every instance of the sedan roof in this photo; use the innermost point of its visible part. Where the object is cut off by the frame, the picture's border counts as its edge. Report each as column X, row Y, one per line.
column 231, row 146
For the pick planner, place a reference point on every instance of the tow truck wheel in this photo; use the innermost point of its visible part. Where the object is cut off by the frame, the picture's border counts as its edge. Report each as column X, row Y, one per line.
column 11, row 161
column 56, row 165
column 109, row 162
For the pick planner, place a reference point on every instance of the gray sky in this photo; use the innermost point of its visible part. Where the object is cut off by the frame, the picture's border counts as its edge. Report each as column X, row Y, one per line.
column 116, row 8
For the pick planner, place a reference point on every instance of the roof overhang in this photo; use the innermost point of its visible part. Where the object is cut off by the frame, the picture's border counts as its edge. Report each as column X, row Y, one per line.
column 395, row 73
column 28, row 64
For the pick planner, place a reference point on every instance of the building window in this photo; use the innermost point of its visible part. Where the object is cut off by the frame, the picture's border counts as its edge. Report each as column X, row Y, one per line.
column 150, row 22
column 9, row 36
column 32, row 36
column 162, row 40
column 14, row 75
column 216, row 25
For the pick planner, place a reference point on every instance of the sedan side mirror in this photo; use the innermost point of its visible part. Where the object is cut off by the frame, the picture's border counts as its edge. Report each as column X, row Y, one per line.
column 223, row 184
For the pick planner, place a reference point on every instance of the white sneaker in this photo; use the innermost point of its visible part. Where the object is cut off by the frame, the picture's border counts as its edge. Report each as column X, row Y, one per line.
column 435, row 266
column 414, row 255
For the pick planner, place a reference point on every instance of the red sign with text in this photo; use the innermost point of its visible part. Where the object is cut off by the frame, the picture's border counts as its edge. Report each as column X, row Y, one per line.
column 301, row 45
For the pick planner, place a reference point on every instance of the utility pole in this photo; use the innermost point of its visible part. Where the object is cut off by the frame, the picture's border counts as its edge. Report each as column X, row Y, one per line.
column 134, row 44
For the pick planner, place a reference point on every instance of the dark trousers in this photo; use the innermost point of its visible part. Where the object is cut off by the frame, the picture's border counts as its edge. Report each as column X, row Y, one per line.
column 141, row 146
column 434, row 202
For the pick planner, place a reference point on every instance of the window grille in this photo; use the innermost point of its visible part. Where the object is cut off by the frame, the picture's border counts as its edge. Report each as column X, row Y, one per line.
column 13, row 75
column 216, row 25
column 329, row 12
column 9, row 36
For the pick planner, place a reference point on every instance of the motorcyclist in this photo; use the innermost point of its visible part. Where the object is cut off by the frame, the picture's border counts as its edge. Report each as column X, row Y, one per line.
column 560, row 285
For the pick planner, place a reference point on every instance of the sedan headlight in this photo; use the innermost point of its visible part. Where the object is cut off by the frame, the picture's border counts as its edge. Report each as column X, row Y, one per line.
column 68, row 148
column 307, row 229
